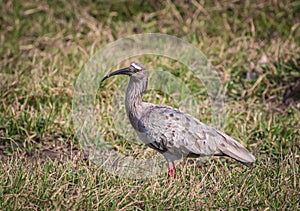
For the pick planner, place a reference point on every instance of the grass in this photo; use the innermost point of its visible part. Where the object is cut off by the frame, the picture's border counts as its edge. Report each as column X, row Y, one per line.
column 254, row 47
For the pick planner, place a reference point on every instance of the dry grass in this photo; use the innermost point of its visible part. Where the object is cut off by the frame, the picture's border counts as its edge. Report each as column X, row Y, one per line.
column 255, row 49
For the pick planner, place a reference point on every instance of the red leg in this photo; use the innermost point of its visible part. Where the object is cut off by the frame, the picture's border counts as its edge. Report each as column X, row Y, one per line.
column 171, row 166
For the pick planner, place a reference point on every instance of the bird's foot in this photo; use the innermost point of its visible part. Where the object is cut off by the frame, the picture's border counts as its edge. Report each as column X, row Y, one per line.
column 171, row 171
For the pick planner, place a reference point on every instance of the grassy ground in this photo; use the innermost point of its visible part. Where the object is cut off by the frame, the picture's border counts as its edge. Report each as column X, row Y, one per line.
column 255, row 48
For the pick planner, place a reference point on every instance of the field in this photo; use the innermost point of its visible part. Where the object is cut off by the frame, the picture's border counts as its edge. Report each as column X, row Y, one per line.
column 255, row 49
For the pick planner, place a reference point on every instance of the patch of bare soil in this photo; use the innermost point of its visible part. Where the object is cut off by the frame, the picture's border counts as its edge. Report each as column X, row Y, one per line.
column 292, row 94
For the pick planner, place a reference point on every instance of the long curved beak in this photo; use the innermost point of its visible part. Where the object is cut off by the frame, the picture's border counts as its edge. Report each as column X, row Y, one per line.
column 124, row 71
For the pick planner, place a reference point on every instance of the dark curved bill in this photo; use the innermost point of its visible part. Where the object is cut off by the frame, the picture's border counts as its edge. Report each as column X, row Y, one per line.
column 124, row 71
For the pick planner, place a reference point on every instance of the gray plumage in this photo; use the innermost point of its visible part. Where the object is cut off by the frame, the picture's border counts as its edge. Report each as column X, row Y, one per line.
column 171, row 132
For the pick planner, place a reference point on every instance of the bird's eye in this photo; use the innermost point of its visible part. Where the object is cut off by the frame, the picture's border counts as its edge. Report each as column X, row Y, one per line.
column 137, row 70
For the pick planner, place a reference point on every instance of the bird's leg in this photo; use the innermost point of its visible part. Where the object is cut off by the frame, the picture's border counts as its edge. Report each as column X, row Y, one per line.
column 171, row 167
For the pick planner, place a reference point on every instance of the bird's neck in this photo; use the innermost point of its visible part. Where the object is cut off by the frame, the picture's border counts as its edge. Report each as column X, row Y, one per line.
column 133, row 100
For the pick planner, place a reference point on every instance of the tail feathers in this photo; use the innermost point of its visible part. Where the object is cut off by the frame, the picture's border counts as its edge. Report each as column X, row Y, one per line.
column 234, row 149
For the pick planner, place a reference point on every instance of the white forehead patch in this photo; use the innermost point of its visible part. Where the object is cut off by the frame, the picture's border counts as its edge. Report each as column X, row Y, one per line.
column 136, row 66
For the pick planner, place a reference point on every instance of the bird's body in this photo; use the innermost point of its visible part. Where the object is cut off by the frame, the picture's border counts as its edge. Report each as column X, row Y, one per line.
column 171, row 132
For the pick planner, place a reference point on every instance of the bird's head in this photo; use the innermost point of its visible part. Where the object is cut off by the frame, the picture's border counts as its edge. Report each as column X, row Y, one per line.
column 136, row 71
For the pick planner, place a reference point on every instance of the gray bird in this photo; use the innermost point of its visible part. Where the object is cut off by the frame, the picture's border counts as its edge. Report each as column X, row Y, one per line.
column 170, row 131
